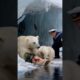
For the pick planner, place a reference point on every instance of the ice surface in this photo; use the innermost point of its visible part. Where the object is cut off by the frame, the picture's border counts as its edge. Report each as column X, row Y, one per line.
column 25, row 66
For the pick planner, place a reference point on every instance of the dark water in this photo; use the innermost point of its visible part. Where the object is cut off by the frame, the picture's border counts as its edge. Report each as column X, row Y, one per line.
column 43, row 73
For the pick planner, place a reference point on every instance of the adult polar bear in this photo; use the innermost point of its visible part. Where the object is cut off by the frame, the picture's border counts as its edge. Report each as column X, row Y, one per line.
column 27, row 44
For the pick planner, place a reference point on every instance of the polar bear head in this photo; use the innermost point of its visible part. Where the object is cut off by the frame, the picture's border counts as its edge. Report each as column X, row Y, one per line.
column 32, row 42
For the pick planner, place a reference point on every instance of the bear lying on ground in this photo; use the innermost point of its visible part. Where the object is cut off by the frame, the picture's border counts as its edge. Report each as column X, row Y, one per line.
column 46, row 52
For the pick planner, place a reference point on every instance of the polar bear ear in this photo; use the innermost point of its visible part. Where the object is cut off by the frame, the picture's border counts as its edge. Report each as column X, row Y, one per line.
column 37, row 37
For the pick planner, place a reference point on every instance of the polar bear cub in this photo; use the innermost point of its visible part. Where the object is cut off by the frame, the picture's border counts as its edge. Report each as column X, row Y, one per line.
column 46, row 52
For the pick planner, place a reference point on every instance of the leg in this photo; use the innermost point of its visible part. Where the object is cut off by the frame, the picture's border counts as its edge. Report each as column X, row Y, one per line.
column 56, row 48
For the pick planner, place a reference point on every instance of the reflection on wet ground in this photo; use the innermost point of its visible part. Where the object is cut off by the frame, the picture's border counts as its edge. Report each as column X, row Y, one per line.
column 43, row 73
column 28, row 71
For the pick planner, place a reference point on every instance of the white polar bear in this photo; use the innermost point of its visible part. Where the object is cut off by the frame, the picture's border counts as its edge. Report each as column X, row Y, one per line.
column 46, row 52
column 27, row 44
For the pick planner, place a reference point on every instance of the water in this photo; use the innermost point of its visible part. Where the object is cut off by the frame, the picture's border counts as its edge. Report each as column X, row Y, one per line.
column 27, row 71
column 43, row 73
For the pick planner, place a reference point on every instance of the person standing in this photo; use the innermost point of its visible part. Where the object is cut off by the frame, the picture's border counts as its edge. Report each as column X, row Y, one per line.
column 57, row 39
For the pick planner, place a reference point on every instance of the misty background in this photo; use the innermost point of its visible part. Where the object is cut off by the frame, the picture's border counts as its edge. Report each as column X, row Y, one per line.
column 39, row 16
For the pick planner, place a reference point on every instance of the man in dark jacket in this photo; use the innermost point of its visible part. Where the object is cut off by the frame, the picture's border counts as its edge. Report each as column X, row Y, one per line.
column 57, row 38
